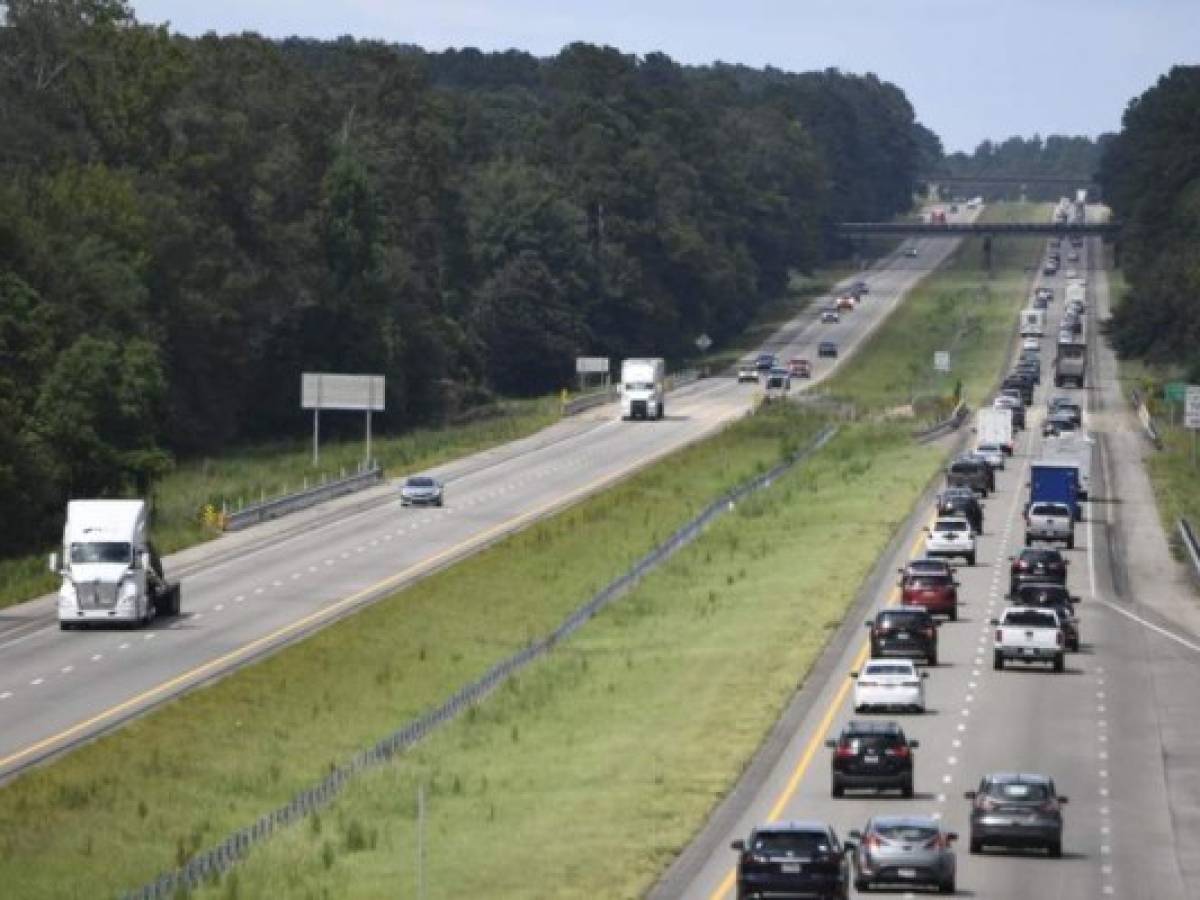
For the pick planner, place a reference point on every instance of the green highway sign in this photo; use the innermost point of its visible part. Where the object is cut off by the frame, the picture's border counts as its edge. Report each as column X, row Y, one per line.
column 1174, row 391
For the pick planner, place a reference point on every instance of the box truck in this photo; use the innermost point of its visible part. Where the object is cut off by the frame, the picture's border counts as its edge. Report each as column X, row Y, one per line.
column 995, row 426
column 1073, row 448
column 1033, row 322
column 1053, row 480
column 643, row 389
column 110, row 571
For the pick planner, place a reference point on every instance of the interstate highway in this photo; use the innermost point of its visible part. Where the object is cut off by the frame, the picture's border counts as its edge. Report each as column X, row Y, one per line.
column 246, row 594
column 1118, row 731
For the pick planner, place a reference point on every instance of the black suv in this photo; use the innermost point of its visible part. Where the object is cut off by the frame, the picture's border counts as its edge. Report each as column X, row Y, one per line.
column 1036, row 564
column 1023, row 383
column 905, row 632
column 872, row 755
column 792, row 859
column 961, row 502
column 971, row 472
column 1049, row 595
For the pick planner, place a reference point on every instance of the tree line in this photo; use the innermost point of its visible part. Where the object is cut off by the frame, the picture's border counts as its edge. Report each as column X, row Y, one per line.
column 1151, row 179
column 187, row 224
column 1051, row 156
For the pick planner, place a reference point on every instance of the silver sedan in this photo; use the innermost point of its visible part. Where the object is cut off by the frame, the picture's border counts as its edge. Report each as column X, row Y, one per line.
column 903, row 850
column 421, row 490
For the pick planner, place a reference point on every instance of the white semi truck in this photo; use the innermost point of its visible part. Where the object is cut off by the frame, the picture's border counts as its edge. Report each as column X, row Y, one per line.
column 643, row 389
column 1033, row 322
column 110, row 571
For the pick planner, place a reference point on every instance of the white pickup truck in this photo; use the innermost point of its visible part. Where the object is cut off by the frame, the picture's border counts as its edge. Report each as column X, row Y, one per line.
column 1029, row 634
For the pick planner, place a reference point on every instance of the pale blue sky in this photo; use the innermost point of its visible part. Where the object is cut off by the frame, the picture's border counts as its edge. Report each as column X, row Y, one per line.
column 973, row 69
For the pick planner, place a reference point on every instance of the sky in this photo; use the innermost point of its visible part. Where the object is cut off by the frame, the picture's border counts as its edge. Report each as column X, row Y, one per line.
column 973, row 69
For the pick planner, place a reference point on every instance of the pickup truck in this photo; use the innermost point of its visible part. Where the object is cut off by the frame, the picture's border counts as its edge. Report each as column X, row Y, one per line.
column 1029, row 634
column 1051, row 522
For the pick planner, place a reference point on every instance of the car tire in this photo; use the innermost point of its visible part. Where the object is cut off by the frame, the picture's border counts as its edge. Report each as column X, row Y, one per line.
column 1074, row 646
column 954, row 614
column 997, row 661
column 970, row 559
column 836, row 789
column 1060, row 663
column 1054, row 849
column 932, row 659
column 906, row 790
column 66, row 626
column 862, row 885
column 440, row 503
column 976, row 846
column 1027, row 539
column 947, row 887
column 1071, row 543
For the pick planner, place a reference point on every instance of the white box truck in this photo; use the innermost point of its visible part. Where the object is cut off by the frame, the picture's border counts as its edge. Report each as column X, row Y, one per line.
column 1033, row 322
column 995, row 426
column 1073, row 447
column 110, row 571
column 643, row 389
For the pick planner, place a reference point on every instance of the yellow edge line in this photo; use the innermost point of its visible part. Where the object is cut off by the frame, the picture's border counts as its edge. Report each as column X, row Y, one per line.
column 815, row 743
column 214, row 665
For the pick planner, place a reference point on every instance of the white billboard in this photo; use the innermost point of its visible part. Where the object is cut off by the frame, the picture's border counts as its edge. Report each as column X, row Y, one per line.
column 320, row 390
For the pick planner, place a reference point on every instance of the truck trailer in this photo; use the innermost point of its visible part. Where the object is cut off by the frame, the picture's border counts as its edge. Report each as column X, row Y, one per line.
column 1053, row 480
column 110, row 570
column 643, row 389
column 995, row 426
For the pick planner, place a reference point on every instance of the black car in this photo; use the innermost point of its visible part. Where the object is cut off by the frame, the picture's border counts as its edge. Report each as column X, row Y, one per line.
column 792, row 859
column 1059, row 422
column 1036, row 564
column 1052, row 596
column 1022, row 383
column 1030, row 367
column 906, row 632
column 827, row 348
column 961, row 501
column 872, row 755
column 1016, row 810
column 971, row 472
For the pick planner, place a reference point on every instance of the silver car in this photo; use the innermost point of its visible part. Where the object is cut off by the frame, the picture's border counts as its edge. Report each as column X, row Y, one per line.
column 903, row 850
column 421, row 490
column 993, row 454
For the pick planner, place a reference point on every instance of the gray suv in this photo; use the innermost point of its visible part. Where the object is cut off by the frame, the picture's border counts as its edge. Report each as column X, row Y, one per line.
column 972, row 472
column 1050, row 522
column 1016, row 810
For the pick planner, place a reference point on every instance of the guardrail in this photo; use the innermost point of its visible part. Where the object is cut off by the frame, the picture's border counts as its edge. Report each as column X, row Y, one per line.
column 946, row 425
column 289, row 503
column 216, row 861
column 1147, row 420
column 1191, row 545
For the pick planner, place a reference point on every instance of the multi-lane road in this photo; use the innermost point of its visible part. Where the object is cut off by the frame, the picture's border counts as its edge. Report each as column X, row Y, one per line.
column 246, row 594
column 1118, row 730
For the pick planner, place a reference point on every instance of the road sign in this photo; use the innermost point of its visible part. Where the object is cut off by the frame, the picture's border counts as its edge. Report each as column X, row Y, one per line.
column 941, row 360
column 1191, row 407
column 1174, row 391
column 703, row 342
column 591, row 365
column 361, row 393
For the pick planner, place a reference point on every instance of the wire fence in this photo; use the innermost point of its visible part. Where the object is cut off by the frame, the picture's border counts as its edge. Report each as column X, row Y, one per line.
column 215, row 862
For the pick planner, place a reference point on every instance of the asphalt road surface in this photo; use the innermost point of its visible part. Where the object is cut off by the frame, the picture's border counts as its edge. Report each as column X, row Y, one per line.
column 246, row 594
column 1118, row 731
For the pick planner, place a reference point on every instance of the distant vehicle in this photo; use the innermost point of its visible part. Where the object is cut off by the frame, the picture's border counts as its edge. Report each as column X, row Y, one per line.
column 830, row 316
column 967, row 471
column 951, row 536
column 1033, row 322
column 874, row 755
column 961, row 501
column 1045, row 293
column 1056, row 480
column 800, row 367
column 778, row 384
column 1059, row 423
column 827, row 348
column 1015, row 405
column 1028, row 634
column 911, row 253
column 1057, row 597
column 1050, row 269
column 889, row 684
column 765, row 362
column 1050, row 522
column 936, row 594
column 995, row 426
column 908, row 633
column 860, row 287
column 903, row 851
column 644, row 388
column 1072, row 273
column 1076, row 448
column 924, row 565
column 110, row 570
column 1030, row 343
column 792, row 859
column 1016, row 810
column 993, row 453
column 1036, row 565
column 747, row 371
column 847, row 302
column 422, row 490
column 938, row 218
column 1070, row 361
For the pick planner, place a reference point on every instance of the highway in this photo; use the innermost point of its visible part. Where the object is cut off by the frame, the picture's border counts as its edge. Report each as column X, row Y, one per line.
column 1117, row 731
column 247, row 594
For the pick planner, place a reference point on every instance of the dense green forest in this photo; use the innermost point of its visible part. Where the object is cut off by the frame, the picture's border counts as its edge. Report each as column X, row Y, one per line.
column 1050, row 156
column 1151, row 178
column 188, row 224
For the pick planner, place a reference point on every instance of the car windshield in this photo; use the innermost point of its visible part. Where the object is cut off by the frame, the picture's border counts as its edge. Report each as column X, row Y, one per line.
column 901, row 619
column 1018, row 790
column 1031, row 618
column 1046, row 557
column 951, row 525
column 420, row 482
column 888, row 668
column 930, row 581
column 989, row 448
column 790, row 843
column 101, row 552
column 908, row 833
column 867, row 743
column 1050, row 509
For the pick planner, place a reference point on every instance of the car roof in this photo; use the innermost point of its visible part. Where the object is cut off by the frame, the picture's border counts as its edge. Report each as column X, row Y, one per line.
column 795, row 825
column 867, row 726
column 907, row 663
column 906, row 611
column 1017, row 778
column 1042, row 551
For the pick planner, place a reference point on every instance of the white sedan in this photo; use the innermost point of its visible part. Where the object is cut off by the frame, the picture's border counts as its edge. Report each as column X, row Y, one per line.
column 889, row 683
column 951, row 536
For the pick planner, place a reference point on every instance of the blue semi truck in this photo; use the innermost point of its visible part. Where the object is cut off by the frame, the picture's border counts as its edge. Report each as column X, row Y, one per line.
column 1055, row 481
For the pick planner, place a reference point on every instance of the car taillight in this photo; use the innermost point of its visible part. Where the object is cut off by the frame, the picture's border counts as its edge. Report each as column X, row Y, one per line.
column 1022, row 564
column 928, row 632
column 1049, row 806
column 900, row 752
column 999, row 635
column 1059, row 638
column 844, row 751
column 986, row 802
column 872, row 841
column 937, row 842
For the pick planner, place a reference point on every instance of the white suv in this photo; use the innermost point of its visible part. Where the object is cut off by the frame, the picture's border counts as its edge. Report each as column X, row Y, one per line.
column 951, row 536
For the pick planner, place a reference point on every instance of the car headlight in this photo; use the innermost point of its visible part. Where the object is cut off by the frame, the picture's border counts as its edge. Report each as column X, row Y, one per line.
column 128, row 592
column 67, row 593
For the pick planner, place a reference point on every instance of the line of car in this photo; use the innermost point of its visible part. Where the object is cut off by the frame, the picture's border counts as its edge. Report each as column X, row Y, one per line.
column 1008, row 809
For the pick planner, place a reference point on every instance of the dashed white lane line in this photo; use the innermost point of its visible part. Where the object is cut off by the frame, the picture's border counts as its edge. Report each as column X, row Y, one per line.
column 37, row 681
column 240, row 597
column 296, row 575
column 67, row 670
column 96, row 657
column 276, row 584
column 259, row 590
column 124, row 646
column 219, row 607
column 5, row 695
column 312, row 568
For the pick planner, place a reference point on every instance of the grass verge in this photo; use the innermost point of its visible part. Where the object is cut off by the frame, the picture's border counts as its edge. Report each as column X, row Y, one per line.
column 957, row 309
column 144, row 798
column 273, row 469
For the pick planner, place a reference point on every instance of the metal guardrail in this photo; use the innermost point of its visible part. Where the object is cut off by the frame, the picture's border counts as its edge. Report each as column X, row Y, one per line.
column 946, row 425
column 1192, row 545
column 218, row 860
column 1147, row 420
column 289, row 503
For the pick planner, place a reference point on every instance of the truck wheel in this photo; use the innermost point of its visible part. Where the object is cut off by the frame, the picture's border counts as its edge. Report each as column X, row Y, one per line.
column 65, row 626
column 954, row 614
column 997, row 661
column 906, row 791
column 662, row 410
column 836, row 789
column 1027, row 542
column 1054, row 848
column 1071, row 542
column 970, row 559
column 932, row 659
column 976, row 845
column 1060, row 663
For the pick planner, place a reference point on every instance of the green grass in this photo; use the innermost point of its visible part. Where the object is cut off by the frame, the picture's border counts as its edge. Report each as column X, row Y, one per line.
column 959, row 309
column 136, row 802
column 617, row 746
column 1174, row 477
column 273, row 469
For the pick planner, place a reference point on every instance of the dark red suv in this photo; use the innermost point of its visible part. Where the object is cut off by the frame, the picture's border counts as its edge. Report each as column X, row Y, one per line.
column 936, row 594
